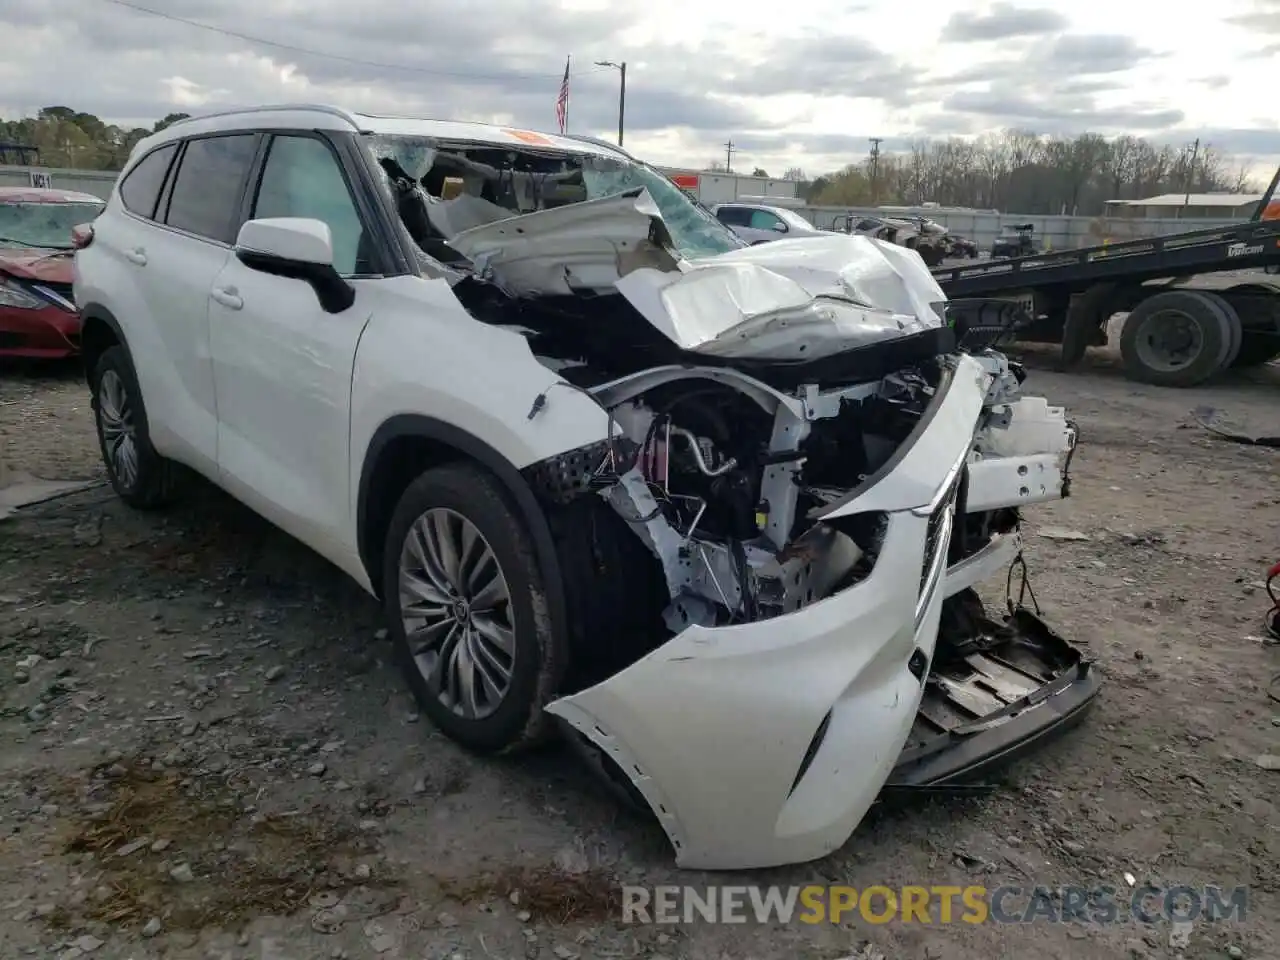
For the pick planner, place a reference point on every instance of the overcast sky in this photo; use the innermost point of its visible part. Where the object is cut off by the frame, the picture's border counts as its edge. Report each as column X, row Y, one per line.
column 799, row 84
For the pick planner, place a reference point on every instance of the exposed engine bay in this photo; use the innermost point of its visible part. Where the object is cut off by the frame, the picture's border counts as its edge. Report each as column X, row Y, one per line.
column 724, row 454
column 727, row 483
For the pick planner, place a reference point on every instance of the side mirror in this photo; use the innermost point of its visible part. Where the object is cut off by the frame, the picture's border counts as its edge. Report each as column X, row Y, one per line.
column 298, row 249
column 780, row 227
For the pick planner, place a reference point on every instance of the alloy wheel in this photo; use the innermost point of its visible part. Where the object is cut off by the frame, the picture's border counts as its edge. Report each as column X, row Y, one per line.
column 119, row 432
column 455, row 607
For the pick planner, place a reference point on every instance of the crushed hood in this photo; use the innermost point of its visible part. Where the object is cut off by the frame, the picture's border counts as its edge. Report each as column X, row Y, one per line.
column 792, row 299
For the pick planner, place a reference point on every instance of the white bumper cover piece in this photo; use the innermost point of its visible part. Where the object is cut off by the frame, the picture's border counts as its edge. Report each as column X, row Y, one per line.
column 764, row 743
column 1021, row 456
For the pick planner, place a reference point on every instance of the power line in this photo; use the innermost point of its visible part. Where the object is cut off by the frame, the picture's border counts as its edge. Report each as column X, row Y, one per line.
column 306, row 51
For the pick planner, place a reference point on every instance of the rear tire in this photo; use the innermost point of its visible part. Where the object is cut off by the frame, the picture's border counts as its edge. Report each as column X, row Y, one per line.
column 1179, row 338
column 140, row 476
column 481, row 674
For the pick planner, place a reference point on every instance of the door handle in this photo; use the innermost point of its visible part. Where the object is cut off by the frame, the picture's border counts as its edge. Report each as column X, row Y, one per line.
column 136, row 255
column 228, row 297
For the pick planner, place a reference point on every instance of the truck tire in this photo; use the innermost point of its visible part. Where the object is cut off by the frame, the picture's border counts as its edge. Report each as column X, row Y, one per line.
column 1235, row 327
column 1178, row 338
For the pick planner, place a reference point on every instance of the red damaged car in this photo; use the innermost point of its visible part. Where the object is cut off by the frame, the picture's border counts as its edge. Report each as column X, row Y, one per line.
column 37, row 314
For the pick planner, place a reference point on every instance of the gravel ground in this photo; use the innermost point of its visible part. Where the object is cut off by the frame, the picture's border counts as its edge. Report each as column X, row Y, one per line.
column 208, row 755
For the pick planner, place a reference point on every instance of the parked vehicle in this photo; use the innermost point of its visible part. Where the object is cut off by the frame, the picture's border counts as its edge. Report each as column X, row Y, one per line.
column 38, row 317
column 1015, row 240
column 1176, row 334
column 758, row 223
column 715, row 511
column 902, row 231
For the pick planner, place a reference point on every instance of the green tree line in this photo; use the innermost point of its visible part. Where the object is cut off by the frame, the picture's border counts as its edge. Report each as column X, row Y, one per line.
column 69, row 138
column 1025, row 172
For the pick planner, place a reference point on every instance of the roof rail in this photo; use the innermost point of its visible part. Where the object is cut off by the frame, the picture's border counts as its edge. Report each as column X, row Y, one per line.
column 599, row 142
column 339, row 112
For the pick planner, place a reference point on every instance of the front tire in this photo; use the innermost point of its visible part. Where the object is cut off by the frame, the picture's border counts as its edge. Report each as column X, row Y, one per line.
column 467, row 611
column 140, row 476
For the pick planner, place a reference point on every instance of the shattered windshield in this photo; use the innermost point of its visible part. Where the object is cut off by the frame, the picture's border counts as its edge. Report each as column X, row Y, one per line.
column 43, row 226
column 507, row 181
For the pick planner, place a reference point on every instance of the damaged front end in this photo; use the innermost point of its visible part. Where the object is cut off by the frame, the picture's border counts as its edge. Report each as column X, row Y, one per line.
column 770, row 556
column 809, row 552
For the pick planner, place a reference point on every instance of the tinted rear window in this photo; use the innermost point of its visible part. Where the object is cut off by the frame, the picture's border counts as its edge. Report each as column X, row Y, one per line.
column 141, row 188
column 206, row 194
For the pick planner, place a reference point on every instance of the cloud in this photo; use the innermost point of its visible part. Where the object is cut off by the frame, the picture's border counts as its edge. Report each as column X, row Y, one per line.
column 1064, row 115
column 1003, row 22
column 1264, row 18
column 1092, row 54
column 1232, row 142
column 402, row 59
column 824, row 65
column 805, row 89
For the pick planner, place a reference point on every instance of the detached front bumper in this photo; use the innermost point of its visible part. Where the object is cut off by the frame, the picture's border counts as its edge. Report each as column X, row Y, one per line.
column 764, row 743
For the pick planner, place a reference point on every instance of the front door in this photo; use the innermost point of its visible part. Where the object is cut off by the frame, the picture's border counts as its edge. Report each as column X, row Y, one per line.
column 282, row 365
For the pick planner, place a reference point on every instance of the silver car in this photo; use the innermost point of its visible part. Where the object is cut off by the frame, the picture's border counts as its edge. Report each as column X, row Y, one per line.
column 757, row 223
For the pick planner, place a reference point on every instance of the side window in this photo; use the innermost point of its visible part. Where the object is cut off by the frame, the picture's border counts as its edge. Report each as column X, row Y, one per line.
column 206, row 194
column 764, row 220
column 140, row 189
column 733, row 216
column 867, row 224
column 302, row 178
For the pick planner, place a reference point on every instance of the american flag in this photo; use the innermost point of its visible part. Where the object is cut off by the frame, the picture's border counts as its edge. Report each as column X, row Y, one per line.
column 562, row 101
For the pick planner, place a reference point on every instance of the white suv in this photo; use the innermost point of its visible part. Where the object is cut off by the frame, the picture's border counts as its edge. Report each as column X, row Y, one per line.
column 713, row 510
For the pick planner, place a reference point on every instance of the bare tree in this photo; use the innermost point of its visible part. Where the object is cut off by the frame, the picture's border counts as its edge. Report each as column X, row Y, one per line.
column 1122, row 164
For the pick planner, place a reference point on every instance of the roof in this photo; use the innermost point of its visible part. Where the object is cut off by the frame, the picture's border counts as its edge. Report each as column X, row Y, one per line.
column 45, row 195
column 1193, row 200
column 328, row 117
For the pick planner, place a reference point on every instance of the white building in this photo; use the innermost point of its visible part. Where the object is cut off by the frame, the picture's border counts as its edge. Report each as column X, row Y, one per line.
column 1169, row 206
column 716, row 186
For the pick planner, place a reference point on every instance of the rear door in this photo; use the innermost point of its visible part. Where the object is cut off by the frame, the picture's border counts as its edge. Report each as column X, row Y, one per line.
column 199, row 213
column 113, row 273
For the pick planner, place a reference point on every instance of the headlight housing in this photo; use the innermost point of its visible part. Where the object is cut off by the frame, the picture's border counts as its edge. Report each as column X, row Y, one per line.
column 15, row 296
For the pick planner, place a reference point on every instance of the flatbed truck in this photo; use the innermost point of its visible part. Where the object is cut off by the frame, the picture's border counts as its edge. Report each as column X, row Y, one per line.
column 1176, row 334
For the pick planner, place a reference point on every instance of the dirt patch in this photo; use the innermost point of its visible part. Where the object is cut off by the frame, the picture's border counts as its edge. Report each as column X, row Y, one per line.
column 546, row 894
column 180, row 849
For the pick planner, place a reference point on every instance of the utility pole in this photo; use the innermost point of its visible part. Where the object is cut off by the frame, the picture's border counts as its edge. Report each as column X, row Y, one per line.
column 622, row 91
column 1191, row 170
column 875, row 168
column 728, row 157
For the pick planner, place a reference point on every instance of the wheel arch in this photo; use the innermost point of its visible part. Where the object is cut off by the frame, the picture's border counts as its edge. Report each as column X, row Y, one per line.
column 405, row 445
column 99, row 331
